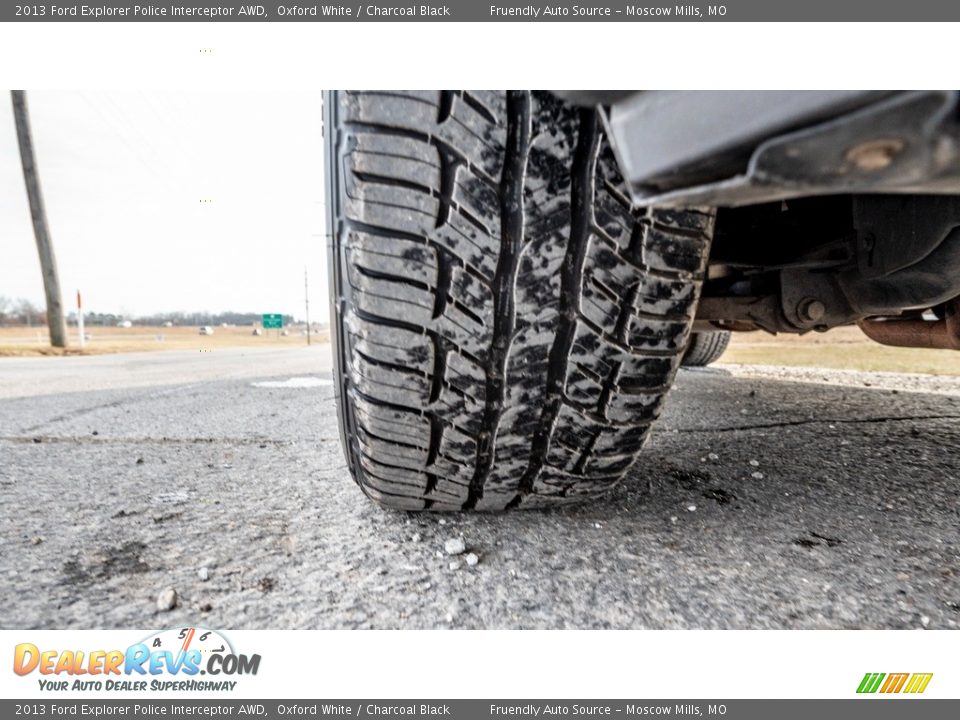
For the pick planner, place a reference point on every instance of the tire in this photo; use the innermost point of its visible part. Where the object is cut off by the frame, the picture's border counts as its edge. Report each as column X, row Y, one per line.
column 505, row 326
column 705, row 348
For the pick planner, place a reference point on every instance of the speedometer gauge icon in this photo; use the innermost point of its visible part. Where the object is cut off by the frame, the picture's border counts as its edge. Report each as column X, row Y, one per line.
column 182, row 640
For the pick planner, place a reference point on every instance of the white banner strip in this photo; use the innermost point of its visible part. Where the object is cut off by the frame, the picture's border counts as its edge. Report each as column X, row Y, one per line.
column 515, row 664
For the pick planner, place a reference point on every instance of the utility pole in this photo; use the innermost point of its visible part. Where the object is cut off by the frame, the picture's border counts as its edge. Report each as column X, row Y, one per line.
column 48, row 261
column 306, row 301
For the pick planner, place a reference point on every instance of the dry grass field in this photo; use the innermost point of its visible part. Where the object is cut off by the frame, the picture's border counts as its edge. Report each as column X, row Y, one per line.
column 22, row 341
column 842, row 348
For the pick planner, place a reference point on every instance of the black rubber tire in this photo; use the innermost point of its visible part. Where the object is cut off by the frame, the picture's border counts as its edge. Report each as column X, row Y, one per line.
column 705, row 348
column 506, row 327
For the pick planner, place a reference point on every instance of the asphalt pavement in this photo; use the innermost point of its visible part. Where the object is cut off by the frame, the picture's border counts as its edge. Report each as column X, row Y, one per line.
column 762, row 501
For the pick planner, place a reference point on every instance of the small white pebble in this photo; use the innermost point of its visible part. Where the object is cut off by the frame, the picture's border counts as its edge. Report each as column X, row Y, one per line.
column 204, row 574
column 167, row 600
column 454, row 546
column 673, row 519
column 754, row 463
column 449, row 617
column 691, row 508
column 757, row 475
column 924, row 620
column 455, row 565
column 416, row 537
column 441, row 521
column 713, row 456
column 472, row 559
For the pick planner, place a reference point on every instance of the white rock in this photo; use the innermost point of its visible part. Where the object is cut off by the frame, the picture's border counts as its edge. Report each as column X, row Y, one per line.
column 755, row 463
column 472, row 559
column 757, row 475
column 455, row 546
column 713, row 456
column 204, row 574
column 691, row 508
column 455, row 565
column 416, row 537
column 924, row 620
column 167, row 600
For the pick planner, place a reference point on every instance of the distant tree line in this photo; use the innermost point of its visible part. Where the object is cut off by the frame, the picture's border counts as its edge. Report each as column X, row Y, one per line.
column 20, row 312
column 184, row 318
column 24, row 312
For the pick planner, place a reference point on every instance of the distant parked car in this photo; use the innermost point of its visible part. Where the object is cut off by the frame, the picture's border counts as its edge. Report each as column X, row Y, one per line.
column 168, row 323
column 206, row 330
column 124, row 324
column 257, row 332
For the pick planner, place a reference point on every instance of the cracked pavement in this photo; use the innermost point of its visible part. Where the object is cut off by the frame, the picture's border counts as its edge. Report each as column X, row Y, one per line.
column 760, row 502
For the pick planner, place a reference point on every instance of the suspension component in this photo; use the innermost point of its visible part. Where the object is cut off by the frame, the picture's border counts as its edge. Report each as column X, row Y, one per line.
column 942, row 334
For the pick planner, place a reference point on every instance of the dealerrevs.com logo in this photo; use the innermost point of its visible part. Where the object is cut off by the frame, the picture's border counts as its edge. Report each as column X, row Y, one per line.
column 910, row 683
column 169, row 660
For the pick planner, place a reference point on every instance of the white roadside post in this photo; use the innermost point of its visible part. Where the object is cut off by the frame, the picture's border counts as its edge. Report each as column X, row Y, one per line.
column 306, row 302
column 83, row 338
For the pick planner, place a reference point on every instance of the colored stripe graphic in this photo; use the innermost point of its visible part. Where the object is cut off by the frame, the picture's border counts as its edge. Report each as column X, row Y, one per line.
column 870, row 682
column 918, row 682
column 894, row 683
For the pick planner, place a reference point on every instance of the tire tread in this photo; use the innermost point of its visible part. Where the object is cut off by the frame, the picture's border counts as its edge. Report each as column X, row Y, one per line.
column 508, row 325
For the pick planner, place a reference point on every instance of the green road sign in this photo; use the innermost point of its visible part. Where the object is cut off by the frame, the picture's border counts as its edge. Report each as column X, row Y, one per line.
column 272, row 321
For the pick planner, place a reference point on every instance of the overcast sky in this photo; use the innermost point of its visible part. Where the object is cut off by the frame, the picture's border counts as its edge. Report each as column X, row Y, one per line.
column 123, row 175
